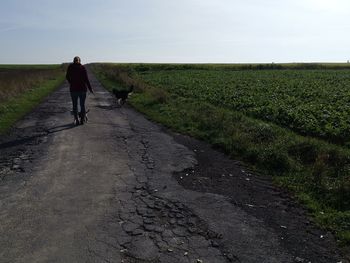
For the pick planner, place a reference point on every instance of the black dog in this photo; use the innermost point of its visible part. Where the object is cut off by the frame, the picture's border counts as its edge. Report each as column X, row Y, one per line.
column 122, row 95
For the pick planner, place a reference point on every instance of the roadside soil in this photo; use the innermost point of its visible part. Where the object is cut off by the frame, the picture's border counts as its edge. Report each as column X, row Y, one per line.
column 123, row 189
column 258, row 197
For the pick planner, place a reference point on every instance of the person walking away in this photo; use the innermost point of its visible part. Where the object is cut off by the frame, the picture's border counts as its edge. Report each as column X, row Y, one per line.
column 79, row 83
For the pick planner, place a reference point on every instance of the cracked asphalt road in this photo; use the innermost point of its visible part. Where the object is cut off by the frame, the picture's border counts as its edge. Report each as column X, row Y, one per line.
column 105, row 192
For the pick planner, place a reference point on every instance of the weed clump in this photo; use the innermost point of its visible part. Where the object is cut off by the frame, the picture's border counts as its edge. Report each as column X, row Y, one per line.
column 262, row 133
column 304, row 151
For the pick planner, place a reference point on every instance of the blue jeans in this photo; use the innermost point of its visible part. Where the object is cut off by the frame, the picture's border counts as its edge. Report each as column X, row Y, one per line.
column 81, row 95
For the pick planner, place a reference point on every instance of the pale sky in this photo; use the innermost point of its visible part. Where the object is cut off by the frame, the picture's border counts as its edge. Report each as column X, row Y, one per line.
column 180, row 31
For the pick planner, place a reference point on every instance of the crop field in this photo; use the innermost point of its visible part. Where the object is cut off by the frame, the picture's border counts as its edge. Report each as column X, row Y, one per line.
column 311, row 102
column 16, row 79
column 22, row 87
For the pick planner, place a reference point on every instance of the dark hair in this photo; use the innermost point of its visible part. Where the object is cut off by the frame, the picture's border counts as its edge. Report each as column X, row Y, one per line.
column 76, row 60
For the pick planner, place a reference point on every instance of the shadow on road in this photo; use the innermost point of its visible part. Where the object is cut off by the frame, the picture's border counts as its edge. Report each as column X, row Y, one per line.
column 28, row 139
column 107, row 107
column 61, row 128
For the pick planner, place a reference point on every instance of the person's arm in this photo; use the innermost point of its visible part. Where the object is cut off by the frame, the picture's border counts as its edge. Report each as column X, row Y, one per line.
column 87, row 81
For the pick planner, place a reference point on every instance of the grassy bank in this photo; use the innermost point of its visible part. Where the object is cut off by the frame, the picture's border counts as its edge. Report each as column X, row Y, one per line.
column 316, row 171
column 22, row 87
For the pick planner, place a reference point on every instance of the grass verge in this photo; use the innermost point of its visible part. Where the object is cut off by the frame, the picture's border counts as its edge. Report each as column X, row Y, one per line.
column 317, row 172
column 15, row 107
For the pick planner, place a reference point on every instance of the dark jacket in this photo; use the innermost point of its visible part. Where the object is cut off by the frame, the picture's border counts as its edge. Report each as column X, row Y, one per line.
column 78, row 78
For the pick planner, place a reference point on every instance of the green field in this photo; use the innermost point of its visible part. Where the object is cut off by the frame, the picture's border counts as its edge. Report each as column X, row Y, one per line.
column 22, row 87
column 311, row 102
column 289, row 121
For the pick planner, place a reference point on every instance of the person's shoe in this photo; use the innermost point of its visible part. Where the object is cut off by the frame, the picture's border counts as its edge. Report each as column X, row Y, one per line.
column 82, row 118
column 76, row 122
